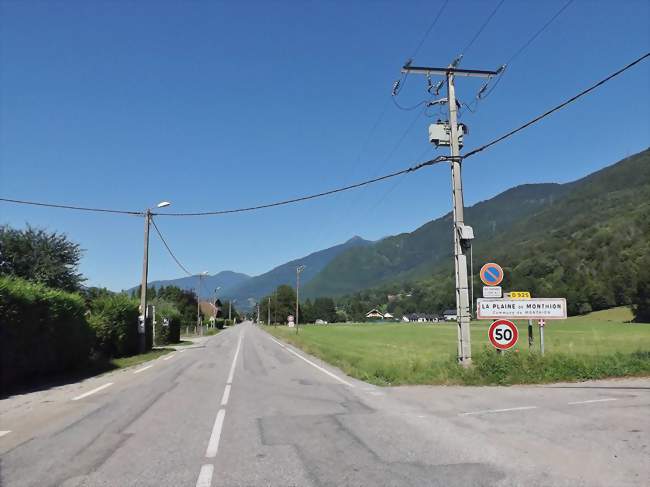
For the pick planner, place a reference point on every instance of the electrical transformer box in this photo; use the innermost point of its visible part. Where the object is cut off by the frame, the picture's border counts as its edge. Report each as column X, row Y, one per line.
column 440, row 134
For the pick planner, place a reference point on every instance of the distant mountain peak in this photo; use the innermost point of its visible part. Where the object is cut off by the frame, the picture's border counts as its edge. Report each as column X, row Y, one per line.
column 356, row 239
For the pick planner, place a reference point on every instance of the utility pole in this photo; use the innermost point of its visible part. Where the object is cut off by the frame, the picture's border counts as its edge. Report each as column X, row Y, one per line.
column 229, row 309
column 142, row 320
column 268, row 322
column 463, row 234
column 299, row 269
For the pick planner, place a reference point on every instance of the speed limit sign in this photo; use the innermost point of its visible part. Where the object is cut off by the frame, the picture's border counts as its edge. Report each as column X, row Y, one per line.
column 503, row 334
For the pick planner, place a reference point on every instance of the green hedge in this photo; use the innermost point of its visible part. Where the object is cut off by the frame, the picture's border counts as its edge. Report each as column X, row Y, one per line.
column 42, row 331
column 170, row 333
column 115, row 322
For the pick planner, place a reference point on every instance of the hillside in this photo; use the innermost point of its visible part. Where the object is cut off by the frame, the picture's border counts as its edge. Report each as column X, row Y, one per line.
column 224, row 279
column 416, row 254
column 258, row 286
column 584, row 240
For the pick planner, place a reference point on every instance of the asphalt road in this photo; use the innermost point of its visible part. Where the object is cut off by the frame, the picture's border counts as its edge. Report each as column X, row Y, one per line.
column 241, row 409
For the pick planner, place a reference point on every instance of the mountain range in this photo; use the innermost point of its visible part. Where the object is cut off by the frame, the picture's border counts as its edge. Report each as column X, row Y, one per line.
column 532, row 219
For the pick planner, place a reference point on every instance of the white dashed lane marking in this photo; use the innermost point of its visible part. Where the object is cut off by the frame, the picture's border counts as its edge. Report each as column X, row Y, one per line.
column 143, row 369
column 96, row 389
column 592, row 400
column 205, row 476
column 2, row 433
column 505, row 410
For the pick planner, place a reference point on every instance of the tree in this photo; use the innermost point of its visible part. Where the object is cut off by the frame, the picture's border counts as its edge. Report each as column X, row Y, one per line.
column 40, row 256
column 641, row 306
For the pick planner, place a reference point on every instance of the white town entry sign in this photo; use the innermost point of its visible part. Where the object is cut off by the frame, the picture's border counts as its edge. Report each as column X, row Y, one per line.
column 532, row 308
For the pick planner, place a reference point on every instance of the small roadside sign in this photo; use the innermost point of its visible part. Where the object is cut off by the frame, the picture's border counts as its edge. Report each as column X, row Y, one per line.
column 491, row 274
column 519, row 295
column 541, row 323
column 491, row 291
column 503, row 334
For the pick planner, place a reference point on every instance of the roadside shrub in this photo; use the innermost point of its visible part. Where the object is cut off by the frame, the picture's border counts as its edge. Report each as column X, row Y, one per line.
column 228, row 322
column 220, row 323
column 42, row 331
column 171, row 332
column 115, row 322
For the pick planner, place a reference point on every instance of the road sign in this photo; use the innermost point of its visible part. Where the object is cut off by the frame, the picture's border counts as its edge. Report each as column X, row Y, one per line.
column 519, row 295
column 541, row 323
column 491, row 291
column 491, row 274
column 503, row 334
column 530, row 309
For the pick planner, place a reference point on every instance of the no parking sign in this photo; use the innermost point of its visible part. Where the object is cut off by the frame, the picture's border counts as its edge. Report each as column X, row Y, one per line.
column 503, row 334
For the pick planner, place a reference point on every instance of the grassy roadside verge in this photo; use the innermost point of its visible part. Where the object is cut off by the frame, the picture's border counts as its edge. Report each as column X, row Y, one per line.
column 123, row 362
column 594, row 346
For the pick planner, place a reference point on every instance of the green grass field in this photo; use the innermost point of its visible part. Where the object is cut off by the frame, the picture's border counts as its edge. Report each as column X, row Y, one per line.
column 601, row 344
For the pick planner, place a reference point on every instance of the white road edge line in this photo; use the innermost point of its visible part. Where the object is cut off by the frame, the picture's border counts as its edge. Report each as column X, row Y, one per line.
column 213, row 445
column 226, row 395
column 592, row 400
column 2, row 433
column 169, row 356
column 96, row 389
column 143, row 369
column 489, row 411
column 334, row 376
column 205, row 476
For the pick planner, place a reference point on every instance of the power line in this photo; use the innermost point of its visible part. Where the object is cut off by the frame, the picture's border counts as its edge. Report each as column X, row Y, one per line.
column 480, row 30
column 168, row 249
column 69, row 207
column 536, row 34
column 414, row 168
column 556, row 108
column 431, row 26
column 504, row 68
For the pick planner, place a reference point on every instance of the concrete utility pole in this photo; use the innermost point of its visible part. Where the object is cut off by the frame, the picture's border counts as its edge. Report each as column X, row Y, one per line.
column 268, row 322
column 142, row 343
column 299, row 269
column 142, row 319
column 463, row 234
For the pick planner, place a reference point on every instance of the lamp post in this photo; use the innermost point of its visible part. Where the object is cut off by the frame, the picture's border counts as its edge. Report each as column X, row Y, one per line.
column 299, row 269
column 142, row 341
column 198, row 301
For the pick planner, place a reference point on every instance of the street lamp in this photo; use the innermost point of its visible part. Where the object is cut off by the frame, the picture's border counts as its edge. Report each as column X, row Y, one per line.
column 299, row 269
column 142, row 343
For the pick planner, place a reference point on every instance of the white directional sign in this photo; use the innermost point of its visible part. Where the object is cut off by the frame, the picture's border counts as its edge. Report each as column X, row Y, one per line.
column 533, row 308
column 491, row 291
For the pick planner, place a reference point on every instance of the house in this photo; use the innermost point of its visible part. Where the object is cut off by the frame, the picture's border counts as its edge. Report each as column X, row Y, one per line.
column 388, row 316
column 450, row 315
column 374, row 314
column 420, row 318
column 321, row 322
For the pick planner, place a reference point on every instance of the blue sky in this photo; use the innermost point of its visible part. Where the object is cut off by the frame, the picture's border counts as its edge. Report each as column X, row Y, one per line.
column 214, row 105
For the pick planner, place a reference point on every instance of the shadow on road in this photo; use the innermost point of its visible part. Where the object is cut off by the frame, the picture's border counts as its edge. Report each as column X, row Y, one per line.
column 51, row 381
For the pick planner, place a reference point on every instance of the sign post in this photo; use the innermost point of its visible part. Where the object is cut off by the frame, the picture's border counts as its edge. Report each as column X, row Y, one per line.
column 541, row 336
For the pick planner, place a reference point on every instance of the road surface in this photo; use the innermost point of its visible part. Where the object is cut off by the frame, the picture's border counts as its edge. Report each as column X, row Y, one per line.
column 242, row 409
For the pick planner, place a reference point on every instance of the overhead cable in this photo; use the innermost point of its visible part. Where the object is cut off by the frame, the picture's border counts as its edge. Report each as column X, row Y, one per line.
column 556, row 108
column 153, row 222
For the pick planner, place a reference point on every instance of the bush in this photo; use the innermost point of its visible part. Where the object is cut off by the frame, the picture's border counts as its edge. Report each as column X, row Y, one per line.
column 228, row 322
column 42, row 331
column 170, row 332
column 115, row 322
column 220, row 323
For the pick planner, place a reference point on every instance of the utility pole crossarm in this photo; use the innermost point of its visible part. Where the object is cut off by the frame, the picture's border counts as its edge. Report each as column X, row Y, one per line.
column 474, row 73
